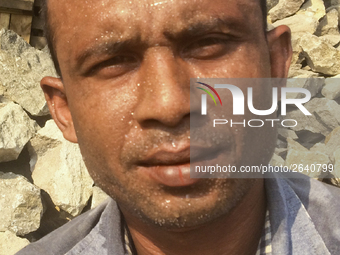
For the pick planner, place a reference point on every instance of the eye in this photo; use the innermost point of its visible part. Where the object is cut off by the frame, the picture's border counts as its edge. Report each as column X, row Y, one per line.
column 115, row 66
column 207, row 48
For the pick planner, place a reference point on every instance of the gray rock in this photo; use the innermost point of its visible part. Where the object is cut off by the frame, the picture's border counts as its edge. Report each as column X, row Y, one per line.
column 331, row 90
column 329, row 24
column 314, row 85
column 58, row 169
column 21, row 69
column 321, row 56
column 326, row 111
column 16, row 130
column 20, row 204
column 10, row 243
column 295, row 71
column 284, row 9
column 307, row 123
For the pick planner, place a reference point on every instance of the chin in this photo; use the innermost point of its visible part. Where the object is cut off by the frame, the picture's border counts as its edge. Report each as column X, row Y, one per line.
column 174, row 212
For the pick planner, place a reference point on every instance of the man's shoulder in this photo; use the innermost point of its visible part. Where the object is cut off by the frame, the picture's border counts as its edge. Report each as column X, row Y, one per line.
column 86, row 234
column 316, row 195
column 307, row 211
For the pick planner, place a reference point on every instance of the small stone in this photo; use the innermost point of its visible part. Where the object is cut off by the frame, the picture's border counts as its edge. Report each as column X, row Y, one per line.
column 299, row 23
column 98, row 197
column 331, row 90
column 20, row 204
column 326, row 111
column 58, row 168
column 295, row 71
column 284, row 8
column 329, row 24
column 315, row 8
column 10, row 243
column 334, row 7
column 16, row 130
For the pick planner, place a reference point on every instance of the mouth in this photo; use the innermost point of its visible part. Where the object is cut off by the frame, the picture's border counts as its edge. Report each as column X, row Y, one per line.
column 170, row 166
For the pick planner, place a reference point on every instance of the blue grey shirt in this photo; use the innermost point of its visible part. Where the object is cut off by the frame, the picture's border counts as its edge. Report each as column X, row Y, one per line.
column 304, row 219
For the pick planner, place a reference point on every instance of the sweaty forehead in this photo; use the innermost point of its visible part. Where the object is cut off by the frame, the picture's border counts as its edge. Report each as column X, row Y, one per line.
column 92, row 19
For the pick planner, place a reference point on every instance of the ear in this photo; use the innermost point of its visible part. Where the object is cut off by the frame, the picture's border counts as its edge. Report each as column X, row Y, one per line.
column 280, row 48
column 57, row 103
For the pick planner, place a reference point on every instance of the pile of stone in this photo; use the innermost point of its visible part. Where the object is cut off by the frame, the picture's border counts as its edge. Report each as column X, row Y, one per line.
column 43, row 180
column 316, row 67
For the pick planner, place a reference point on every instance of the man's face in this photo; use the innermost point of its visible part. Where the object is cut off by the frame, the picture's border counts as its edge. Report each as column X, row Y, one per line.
column 126, row 69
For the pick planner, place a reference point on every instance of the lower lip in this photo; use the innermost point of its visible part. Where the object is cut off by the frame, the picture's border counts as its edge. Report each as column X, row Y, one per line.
column 172, row 176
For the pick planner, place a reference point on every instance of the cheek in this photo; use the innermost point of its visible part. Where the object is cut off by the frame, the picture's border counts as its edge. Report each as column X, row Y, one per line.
column 103, row 116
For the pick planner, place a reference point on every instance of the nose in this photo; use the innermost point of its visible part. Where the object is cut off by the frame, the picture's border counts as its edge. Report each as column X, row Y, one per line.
column 165, row 88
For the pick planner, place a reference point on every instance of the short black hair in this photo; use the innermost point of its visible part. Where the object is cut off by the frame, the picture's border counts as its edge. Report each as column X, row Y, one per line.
column 50, row 35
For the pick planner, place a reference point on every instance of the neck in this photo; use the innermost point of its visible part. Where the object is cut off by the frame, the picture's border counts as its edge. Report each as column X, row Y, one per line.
column 238, row 232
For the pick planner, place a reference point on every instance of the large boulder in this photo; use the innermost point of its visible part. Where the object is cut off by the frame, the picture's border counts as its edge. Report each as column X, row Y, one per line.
column 21, row 69
column 20, row 204
column 58, row 168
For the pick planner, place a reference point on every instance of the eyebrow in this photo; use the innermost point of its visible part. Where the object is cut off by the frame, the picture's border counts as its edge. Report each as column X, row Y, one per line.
column 193, row 30
column 202, row 27
column 108, row 48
